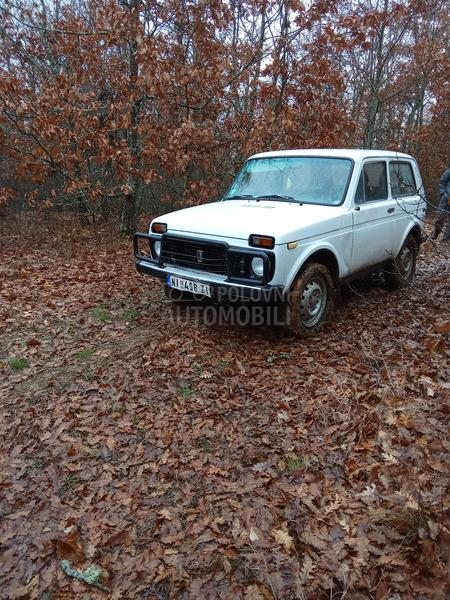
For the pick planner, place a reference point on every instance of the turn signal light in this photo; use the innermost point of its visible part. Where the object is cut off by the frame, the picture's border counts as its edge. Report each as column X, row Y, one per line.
column 261, row 241
column 159, row 227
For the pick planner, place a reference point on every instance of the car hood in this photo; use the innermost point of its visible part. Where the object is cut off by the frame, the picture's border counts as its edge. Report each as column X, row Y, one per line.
column 237, row 219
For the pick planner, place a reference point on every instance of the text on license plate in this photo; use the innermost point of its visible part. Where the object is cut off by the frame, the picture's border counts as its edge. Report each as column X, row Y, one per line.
column 186, row 285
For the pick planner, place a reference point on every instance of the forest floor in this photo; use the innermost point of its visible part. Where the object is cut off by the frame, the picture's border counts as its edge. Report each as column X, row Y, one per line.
column 194, row 461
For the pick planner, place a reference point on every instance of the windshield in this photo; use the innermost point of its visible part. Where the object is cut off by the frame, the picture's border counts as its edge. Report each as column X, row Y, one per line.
column 303, row 179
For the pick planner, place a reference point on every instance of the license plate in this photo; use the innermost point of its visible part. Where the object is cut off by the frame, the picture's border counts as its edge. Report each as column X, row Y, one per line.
column 186, row 285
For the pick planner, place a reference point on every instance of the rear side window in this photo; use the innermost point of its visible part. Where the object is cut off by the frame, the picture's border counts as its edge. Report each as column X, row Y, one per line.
column 402, row 179
column 372, row 183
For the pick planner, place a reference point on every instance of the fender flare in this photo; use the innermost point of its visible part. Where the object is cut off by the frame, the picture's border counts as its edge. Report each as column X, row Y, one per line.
column 416, row 231
column 326, row 255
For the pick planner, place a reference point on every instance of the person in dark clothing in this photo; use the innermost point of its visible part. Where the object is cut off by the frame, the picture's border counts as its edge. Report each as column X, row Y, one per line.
column 443, row 209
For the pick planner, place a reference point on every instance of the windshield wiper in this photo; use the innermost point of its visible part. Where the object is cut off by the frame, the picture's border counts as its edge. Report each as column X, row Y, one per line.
column 239, row 197
column 275, row 197
column 263, row 197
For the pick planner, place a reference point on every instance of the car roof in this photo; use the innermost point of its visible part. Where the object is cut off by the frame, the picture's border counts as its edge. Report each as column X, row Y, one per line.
column 354, row 154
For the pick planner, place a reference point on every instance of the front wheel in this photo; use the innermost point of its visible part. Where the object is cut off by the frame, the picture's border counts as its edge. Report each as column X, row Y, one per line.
column 400, row 272
column 311, row 300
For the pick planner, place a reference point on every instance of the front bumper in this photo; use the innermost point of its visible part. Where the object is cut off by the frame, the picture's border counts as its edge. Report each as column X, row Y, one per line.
column 223, row 288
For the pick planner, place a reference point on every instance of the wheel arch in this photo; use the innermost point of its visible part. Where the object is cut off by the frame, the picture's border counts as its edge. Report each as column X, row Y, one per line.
column 417, row 234
column 323, row 256
column 395, row 275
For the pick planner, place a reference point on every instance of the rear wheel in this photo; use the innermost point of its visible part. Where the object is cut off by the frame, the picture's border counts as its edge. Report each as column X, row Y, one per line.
column 400, row 272
column 311, row 300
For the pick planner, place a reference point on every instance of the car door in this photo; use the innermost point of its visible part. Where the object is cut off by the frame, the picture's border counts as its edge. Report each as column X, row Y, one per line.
column 408, row 204
column 372, row 217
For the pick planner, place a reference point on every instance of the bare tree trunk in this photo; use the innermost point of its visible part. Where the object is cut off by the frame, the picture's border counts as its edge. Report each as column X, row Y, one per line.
column 128, row 223
column 282, row 53
column 83, row 211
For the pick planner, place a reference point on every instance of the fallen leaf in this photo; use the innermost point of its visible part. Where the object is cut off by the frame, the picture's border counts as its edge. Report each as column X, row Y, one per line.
column 283, row 538
column 121, row 538
column 70, row 546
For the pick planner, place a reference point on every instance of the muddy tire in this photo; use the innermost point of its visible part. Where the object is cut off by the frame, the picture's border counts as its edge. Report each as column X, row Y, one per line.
column 311, row 300
column 400, row 272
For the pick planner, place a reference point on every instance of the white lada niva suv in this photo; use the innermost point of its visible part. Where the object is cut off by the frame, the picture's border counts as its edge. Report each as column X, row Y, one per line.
column 292, row 227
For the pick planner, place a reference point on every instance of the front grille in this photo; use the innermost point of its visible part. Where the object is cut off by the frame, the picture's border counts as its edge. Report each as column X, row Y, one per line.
column 194, row 254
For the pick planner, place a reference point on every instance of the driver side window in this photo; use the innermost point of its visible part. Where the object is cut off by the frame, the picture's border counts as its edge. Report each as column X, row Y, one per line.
column 372, row 184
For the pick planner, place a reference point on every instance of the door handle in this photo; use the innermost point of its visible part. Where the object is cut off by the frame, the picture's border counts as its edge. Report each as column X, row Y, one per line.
column 391, row 210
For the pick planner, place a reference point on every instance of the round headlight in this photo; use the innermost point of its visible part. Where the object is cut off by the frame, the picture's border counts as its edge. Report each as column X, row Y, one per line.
column 258, row 267
column 157, row 248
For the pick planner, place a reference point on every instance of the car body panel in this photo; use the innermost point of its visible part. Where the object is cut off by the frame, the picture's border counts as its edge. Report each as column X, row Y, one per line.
column 237, row 220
